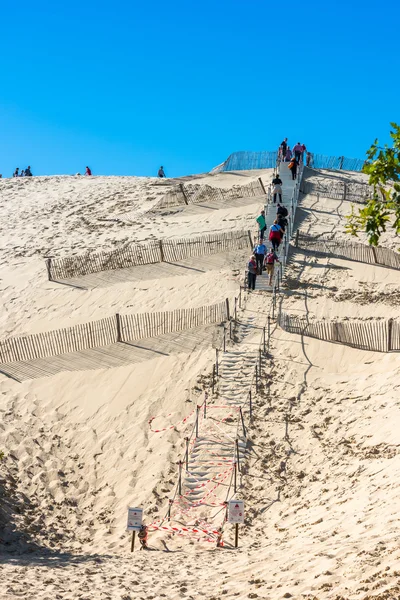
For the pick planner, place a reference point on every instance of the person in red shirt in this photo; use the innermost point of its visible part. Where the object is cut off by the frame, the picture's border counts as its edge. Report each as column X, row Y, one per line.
column 88, row 171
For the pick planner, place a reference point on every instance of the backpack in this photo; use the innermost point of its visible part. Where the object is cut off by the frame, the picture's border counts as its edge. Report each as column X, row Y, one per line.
column 270, row 258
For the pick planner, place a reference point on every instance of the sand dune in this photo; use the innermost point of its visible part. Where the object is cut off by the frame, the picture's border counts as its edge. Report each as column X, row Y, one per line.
column 321, row 480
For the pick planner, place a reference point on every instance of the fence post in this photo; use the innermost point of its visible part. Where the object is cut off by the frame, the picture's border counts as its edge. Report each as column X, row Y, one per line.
column 251, row 241
column 187, row 453
column 344, row 191
column 234, row 476
column 390, row 331
column 227, row 308
column 237, row 454
column 197, row 421
column 264, row 345
column 216, row 361
column 224, row 338
column 213, row 378
column 250, row 406
column 118, row 323
column 273, row 302
column 161, row 251
column 205, row 405
column 240, row 297
column 262, row 185
column 48, row 267
column 256, row 378
column 269, row 331
column 170, row 502
column 235, row 309
column 230, row 330
column 241, row 417
column 180, row 478
column 259, row 360
column 297, row 239
column 183, row 193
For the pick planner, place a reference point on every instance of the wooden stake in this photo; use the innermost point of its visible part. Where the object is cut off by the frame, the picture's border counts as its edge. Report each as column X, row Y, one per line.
column 48, row 267
column 390, row 327
column 227, row 309
column 235, row 309
column 197, row 416
column 262, row 185
column 183, row 193
column 180, row 479
column 216, row 361
column 241, row 416
column 250, row 406
column 213, row 378
column 118, row 321
column 187, row 453
column 237, row 455
column 133, row 541
column 236, row 535
column 161, row 251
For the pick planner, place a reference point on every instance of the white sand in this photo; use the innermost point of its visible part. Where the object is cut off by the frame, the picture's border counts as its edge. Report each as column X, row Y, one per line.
column 322, row 478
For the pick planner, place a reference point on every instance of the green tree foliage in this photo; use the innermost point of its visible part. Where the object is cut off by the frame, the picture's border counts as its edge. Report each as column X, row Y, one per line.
column 383, row 167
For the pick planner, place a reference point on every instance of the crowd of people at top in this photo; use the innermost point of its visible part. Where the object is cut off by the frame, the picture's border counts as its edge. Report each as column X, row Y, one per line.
column 88, row 172
column 28, row 173
column 297, row 153
column 24, row 173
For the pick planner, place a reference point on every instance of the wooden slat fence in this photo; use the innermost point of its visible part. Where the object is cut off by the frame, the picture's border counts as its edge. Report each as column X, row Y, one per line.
column 60, row 341
column 132, row 255
column 208, row 244
column 195, row 193
column 118, row 328
column 377, row 335
column 339, row 190
column 336, row 163
column 349, row 250
column 141, row 326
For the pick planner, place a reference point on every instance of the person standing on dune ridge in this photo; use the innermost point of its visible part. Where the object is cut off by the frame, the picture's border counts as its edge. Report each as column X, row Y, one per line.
column 298, row 151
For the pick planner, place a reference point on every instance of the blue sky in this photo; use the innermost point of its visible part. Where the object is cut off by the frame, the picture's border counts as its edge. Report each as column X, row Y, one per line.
column 126, row 86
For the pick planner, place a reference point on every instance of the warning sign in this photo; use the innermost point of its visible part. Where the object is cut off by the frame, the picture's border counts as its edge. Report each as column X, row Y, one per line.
column 135, row 517
column 236, row 511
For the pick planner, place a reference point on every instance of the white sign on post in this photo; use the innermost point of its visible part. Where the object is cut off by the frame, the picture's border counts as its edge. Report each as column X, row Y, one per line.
column 135, row 517
column 236, row 511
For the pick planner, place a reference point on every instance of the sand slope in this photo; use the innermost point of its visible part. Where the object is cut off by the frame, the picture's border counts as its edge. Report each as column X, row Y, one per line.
column 322, row 478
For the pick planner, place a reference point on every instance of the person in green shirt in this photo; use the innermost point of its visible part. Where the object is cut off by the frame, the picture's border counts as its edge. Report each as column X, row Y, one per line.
column 262, row 224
